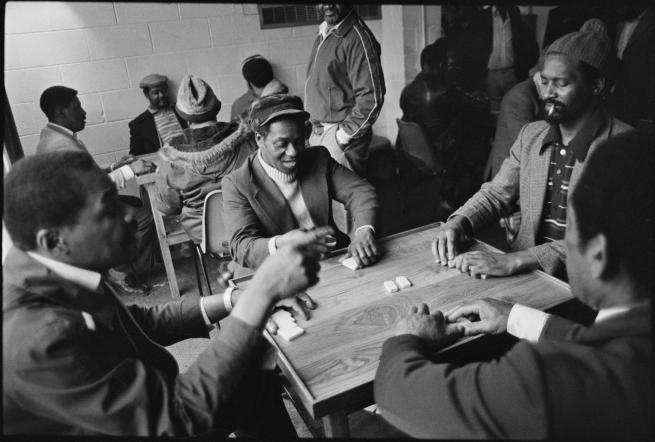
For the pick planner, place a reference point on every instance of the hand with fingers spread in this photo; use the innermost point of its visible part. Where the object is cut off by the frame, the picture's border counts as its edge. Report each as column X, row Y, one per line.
column 450, row 238
column 481, row 316
column 320, row 239
column 432, row 328
column 301, row 305
column 283, row 275
column 363, row 248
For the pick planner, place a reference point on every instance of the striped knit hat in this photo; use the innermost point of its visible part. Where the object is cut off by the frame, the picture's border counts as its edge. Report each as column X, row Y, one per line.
column 196, row 101
column 589, row 47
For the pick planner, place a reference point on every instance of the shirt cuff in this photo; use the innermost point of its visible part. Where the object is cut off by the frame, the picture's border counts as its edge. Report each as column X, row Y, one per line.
column 127, row 172
column 526, row 322
column 365, row 226
column 271, row 245
column 205, row 317
column 343, row 137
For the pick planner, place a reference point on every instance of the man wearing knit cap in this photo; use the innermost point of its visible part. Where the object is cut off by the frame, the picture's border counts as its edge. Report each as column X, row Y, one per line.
column 543, row 165
column 157, row 124
column 196, row 160
column 260, row 81
column 286, row 188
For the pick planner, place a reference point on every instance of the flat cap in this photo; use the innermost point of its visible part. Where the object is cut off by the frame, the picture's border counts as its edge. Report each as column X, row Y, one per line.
column 266, row 109
column 153, row 80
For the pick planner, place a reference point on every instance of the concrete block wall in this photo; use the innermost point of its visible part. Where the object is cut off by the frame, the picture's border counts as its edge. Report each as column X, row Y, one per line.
column 103, row 49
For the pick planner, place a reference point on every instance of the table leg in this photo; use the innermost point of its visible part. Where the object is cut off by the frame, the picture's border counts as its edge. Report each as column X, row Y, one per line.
column 336, row 425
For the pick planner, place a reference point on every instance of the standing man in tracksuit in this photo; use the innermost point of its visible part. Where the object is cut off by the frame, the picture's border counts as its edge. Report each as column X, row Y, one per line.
column 344, row 90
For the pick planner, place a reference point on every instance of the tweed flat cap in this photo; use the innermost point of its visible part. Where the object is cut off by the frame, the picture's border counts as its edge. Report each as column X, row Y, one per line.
column 266, row 109
column 589, row 47
column 196, row 101
column 153, row 80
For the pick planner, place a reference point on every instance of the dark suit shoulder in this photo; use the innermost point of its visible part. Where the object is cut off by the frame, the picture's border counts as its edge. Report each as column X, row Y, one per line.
column 141, row 117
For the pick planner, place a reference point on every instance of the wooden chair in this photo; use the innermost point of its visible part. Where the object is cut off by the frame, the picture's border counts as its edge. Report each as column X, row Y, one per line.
column 214, row 236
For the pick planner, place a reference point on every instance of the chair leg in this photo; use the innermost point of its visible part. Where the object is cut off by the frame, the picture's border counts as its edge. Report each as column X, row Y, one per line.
column 203, row 270
column 197, row 268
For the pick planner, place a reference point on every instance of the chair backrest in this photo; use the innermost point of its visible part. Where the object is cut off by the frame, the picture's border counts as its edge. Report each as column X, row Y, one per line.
column 214, row 232
column 412, row 142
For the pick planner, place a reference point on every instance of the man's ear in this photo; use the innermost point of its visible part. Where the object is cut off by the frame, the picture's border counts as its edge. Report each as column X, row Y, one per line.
column 259, row 139
column 599, row 87
column 49, row 240
column 598, row 254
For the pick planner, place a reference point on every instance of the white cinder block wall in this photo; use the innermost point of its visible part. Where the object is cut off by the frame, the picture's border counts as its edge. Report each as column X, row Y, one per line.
column 103, row 49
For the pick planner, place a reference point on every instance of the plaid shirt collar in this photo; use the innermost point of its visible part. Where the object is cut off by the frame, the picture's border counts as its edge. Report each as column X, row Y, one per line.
column 582, row 140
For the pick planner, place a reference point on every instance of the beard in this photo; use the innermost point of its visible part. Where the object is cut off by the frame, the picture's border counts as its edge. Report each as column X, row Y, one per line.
column 555, row 111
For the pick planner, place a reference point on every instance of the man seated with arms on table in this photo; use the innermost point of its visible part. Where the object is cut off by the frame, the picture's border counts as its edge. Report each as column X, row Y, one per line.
column 544, row 163
column 258, row 73
column 77, row 361
column 195, row 161
column 66, row 118
column 560, row 380
column 286, row 188
column 159, row 123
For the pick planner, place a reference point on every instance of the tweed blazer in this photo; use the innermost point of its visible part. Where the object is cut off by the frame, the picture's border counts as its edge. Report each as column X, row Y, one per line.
column 80, row 362
column 255, row 209
column 575, row 383
column 523, row 176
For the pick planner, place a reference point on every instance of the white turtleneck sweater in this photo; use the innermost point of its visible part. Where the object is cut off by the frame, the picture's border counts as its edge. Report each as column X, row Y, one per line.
column 290, row 188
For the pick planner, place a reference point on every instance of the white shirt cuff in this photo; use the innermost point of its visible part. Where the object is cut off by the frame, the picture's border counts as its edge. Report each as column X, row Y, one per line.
column 208, row 323
column 526, row 322
column 271, row 245
column 343, row 137
column 365, row 226
column 121, row 176
column 127, row 171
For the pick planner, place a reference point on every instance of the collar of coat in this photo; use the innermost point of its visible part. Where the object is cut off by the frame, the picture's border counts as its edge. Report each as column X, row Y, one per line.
column 346, row 24
column 581, row 142
column 196, row 148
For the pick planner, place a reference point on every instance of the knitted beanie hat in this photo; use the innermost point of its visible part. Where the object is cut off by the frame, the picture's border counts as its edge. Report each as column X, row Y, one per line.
column 196, row 101
column 589, row 47
column 257, row 70
column 597, row 26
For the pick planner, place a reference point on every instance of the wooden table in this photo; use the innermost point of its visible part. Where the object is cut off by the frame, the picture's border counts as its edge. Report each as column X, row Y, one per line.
column 331, row 367
column 165, row 237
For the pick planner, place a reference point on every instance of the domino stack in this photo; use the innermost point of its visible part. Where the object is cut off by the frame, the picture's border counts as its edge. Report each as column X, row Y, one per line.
column 286, row 325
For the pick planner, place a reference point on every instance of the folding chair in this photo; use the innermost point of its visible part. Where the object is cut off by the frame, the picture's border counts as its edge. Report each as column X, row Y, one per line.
column 214, row 236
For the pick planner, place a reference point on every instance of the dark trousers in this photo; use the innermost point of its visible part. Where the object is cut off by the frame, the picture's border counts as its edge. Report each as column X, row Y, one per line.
column 146, row 236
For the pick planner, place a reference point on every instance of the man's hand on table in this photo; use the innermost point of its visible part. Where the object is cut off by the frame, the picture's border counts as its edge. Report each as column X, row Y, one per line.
column 320, row 239
column 450, row 238
column 283, row 275
column 481, row 316
column 301, row 304
column 432, row 327
column 481, row 263
column 141, row 167
column 363, row 248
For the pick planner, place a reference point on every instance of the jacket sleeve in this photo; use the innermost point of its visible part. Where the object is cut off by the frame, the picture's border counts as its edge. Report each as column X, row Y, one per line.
column 68, row 373
column 365, row 75
column 551, row 256
column 425, row 399
column 355, row 193
column 247, row 237
column 172, row 322
column 135, row 140
column 496, row 198
column 168, row 199
column 559, row 329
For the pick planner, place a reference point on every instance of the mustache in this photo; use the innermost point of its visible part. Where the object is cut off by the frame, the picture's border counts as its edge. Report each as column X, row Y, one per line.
column 551, row 106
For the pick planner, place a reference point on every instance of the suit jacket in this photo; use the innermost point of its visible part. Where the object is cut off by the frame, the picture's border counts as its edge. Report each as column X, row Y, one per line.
column 53, row 138
column 575, row 383
column 520, row 105
column 255, row 209
column 523, row 176
column 633, row 97
column 476, row 44
column 81, row 362
column 144, row 137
